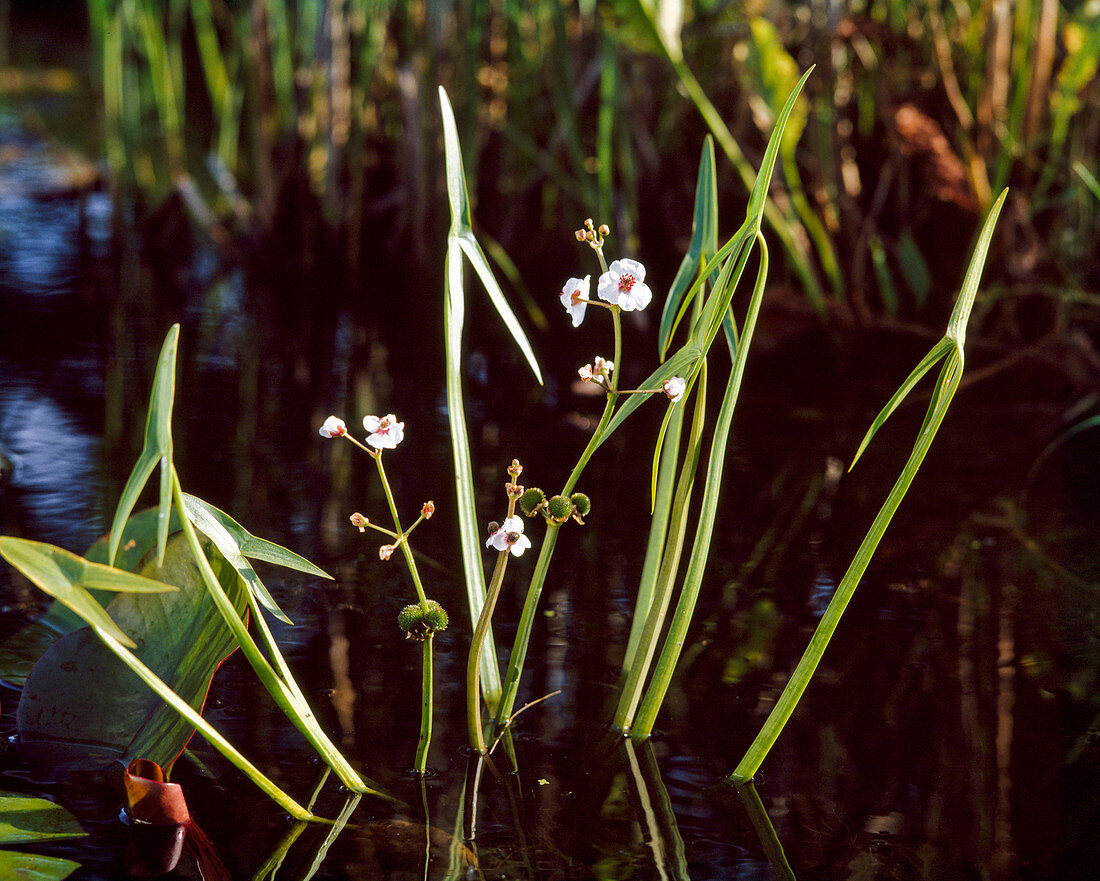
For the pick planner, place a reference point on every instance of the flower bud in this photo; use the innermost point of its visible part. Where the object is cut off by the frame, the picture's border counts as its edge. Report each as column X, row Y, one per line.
column 532, row 500
column 360, row 521
column 559, row 508
column 604, row 230
column 386, row 551
column 427, row 511
column 515, row 469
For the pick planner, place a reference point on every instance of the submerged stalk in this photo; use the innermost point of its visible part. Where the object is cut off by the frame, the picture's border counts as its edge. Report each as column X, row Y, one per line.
column 427, row 690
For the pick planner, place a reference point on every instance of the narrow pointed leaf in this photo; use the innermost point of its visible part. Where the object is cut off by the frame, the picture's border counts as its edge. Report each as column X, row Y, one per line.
column 704, row 242
column 156, row 451
column 960, row 315
column 938, row 352
column 759, row 196
column 236, row 543
column 473, row 252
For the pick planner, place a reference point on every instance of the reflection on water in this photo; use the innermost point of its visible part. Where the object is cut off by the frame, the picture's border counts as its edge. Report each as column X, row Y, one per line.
column 950, row 733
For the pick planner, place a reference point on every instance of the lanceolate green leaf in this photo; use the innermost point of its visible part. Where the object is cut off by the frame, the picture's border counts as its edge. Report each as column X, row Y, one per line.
column 236, row 543
column 946, row 385
column 462, row 231
column 67, row 578
column 157, row 450
column 704, row 242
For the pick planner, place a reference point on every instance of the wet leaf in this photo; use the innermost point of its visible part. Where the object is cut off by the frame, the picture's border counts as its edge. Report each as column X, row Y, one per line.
column 80, row 696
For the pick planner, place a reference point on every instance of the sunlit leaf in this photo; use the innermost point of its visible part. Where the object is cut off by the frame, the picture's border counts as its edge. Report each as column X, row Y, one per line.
column 156, row 451
column 236, row 543
column 79, row 693
column 703, row 244
column 67, row 578
column 24, row 818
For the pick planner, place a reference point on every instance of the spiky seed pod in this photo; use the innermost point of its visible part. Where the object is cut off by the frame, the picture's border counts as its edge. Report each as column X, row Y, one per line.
column 531, row 501
column 409, row 618
column 559, row 508
column 436, row 619
column 581, row 503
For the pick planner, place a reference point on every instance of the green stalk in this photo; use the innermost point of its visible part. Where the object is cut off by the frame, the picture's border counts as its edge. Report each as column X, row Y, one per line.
column 542, row 565
column 685, row 606
column 765, row 831
column 473, row 670
column 296, row 710
column 670, row 561
column 427, row 676
column 216, row 740
column 427, row 690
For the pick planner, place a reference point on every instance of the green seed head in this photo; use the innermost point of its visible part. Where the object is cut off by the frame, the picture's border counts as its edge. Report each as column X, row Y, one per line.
column 582, row 503
column 436, row 619
column 532, row 500
column 409, row 618
column 559, row 508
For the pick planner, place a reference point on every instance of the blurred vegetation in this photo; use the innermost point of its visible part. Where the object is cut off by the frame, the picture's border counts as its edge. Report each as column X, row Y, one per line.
column 916, row 114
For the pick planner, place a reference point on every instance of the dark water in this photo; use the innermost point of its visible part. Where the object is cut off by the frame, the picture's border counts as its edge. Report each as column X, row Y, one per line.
column 950, row 732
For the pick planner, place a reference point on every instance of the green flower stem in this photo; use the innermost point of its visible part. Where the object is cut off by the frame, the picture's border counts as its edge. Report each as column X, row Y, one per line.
column 427, row 689
column 670, row 561
column 542, row 565
column 949, row 379
column 405, row 549
column 216, row 740
column 296, row 709
column 427, row 674
column 473, row 669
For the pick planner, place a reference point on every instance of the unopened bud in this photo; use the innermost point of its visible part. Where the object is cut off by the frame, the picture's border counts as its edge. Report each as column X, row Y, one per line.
column 359, row 520
column 581, row 235
column 515, row 469
column 385, row 552
column 604, row 230
column 427, row 511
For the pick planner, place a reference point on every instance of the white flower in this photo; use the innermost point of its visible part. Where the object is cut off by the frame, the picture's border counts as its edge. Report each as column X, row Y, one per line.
column 509, row 537
column 574, row 297
column 385, row 433
column 624, row 285
column 602, row 367
column 674, row 388
column 333, row 427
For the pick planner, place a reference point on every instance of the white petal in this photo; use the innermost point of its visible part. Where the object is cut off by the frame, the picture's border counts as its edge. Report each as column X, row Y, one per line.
column 638, row 297
column 626, row 266
column 370, row 423
column 512, row 524
column 520, row 545
column 607, row 288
